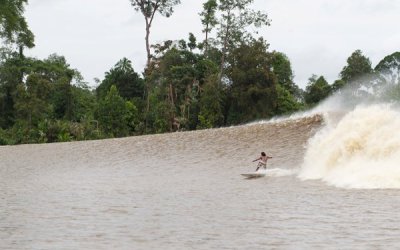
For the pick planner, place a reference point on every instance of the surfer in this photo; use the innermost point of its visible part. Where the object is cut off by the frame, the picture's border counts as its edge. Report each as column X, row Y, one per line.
column 262, row 161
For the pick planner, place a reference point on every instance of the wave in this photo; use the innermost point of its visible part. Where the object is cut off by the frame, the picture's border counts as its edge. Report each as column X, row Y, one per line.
column 360, row 150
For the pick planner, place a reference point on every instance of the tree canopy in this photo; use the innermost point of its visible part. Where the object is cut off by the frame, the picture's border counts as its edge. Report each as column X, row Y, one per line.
column 13, row 26
column 357, row 66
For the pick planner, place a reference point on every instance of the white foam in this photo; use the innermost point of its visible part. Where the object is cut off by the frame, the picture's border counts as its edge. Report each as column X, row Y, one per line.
column 279, row 172
column 361, row 150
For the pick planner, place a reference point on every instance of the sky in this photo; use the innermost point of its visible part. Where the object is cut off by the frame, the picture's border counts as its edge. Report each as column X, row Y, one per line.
column 317, row 35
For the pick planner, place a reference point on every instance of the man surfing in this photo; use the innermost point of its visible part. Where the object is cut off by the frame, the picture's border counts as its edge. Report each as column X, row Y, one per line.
column 262, row 161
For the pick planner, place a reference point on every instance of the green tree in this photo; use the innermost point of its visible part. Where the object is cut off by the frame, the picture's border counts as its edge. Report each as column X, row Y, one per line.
column 13, row 26
column 10, row 77
column 21, row 83
column 58, row 72
column 31, row 100
column 61, row 78
column 337, row 85
column 83, row 103
column 387, row 84
column 129, row 84
column 282, row 69
column 286, row 102
column 252, row 88
column 317, row 89
column 290, row 96
column 211, row 105
column 236, row 17
column 114, row 114
column 178, row 75
column 192, row 42
column 389, row 68
column 148, row 9
column 208, row 19
column 357, row 66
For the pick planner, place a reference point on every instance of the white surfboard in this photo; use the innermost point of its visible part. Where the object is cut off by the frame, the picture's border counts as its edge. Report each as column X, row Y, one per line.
column 254, row 174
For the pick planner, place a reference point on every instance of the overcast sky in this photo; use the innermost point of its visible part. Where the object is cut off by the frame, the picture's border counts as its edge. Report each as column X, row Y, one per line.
column 317, row 35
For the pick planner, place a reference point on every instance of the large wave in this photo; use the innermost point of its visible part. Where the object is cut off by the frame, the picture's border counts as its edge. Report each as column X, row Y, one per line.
column 359, row 146
column 361, row 151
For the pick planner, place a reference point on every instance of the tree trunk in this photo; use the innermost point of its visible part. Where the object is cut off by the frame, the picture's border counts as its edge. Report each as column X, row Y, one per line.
column 172, row 102
column 221, row 71
column 147, row 72
column 148, row 43
column 206, row 49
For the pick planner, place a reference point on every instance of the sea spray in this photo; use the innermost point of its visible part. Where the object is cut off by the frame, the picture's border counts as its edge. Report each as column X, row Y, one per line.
column 361, row 150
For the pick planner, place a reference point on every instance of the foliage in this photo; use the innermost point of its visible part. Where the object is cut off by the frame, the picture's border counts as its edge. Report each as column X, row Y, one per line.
column 30, row 100
column 211, row 105
column 128, row 83
column 235, row 19
column 317, row 89
column 389, row 62
column 337, row 85
column 115, row 115
column 209, row 20
column 357, row 66
column 148, row 10
column 389, row 68
column 252, row 89
column 387, row 84
column 290, row 96
column 178, row 76
column 286, row 102
column 13, row 26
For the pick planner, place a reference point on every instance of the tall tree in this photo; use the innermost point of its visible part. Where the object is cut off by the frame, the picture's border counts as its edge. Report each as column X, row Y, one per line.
column 282, row 69
column 10, row 75
column 31, row 100
column 211, row 105
column 236, row 17
column 128, row 83
column 115, row 114
column 149, row 8
column 388, row 78
column 13, row 26
column 208, row 20
column 317, row 89
column 252, row 88
column 389, row 68
column 357, row 66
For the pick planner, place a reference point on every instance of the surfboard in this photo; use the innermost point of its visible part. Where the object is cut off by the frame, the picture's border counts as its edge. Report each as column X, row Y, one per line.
column 254, row 174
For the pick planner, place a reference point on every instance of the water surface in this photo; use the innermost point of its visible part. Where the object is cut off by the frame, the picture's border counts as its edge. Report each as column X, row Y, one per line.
column 185, row 191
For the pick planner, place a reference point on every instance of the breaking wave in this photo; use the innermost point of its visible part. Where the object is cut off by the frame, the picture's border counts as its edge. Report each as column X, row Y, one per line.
column 361, row 151
column 359, row 144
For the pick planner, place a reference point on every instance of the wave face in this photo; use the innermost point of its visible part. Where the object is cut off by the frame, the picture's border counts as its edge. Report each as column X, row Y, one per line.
column 231, row 148
column 359, row 150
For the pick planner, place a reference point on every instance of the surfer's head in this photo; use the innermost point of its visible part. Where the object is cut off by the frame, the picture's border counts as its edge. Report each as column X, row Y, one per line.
column 263, row 154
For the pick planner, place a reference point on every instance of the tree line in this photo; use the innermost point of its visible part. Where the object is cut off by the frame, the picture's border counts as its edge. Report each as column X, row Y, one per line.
column 225, row 78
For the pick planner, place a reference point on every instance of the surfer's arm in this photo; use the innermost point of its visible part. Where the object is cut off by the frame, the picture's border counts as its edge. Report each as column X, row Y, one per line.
column 257, row 159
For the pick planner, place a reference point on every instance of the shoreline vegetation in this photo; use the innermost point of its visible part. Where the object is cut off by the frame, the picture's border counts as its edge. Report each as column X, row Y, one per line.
column 228, row 77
